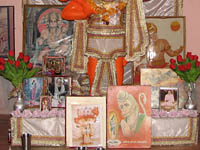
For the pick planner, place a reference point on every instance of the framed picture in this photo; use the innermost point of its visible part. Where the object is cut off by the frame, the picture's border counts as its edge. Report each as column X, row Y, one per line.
column 45, row 103
column 129, row 117
column 54, row 65
column 167, row 40
column 58, row 87
column 10, row 27
column 163, row 78
column 85, row 121
column 46, row 33
column 168, row 98
column 33, row 89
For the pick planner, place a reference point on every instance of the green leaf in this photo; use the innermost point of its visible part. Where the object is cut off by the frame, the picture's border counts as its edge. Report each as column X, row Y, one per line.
column 32, row 72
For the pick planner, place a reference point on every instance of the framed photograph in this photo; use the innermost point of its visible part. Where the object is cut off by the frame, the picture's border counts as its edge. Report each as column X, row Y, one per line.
column 58, row 87
column 168, row 98
column 33, row 89
column 167, row 40
column 54, row 65
column 10, row 27
column 46, row 33
column 129, row 117
column 163, row 78
column 85, row 121
column 45, row 103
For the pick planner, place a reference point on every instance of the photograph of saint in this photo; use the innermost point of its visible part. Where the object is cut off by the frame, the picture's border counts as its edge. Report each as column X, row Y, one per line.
column 33, row 89
column 58, row 88
column 45, row 103
column 129, row 116
column 168, row 99
column 47, row 34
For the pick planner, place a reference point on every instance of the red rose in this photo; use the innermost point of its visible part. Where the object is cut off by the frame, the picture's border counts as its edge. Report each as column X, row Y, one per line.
column 30, row 65
column 26, row 59
column 11, row 53
column 189, row 54
column 2, row 61
column 2, row 67
column 197, row 63
column 181, row 67
column 52, row 72
column 21, row 55
column 10, row 61
column 188, row 66
column 172, row 61
column 195, row 57
column 179, row 58
column 172, row 66
column 17, row 63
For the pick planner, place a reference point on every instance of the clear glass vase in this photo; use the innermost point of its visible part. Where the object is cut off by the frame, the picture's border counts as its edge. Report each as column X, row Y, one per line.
column 19, row 104
column 190, row 104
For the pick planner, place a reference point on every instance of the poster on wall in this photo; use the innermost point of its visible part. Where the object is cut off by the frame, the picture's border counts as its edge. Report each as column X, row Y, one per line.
column 46, row 33
column 85, row 121
column 129, row 117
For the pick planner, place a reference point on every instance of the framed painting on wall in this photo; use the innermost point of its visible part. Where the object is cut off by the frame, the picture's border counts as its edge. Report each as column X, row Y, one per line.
column 129, row 117
column 168, row 98
column 167, row 40
column 10, row 27
column 46, row 33
column 85, row 121
column 45, row 103
column 58, row 87
column 33, row 89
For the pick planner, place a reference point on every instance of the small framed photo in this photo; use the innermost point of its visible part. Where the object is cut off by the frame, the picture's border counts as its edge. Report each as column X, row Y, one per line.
column 45, row 102
column 54, row 65
column 168, row 98
column 33, row 89
column 85, row 121
column 58, row 87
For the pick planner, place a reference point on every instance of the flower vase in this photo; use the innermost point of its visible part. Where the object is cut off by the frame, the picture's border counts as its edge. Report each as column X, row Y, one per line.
column 19, row 104
column 189, row 104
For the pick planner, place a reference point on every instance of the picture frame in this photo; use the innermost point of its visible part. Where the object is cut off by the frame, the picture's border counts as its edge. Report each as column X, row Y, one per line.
column 167, row 41
column 46, row 33
column 33, row 89
column 163, row 77
column 86, row 113
column 129, row 117
column 45, row 103
column 11, row 27
column 53, row 65
column 168, row 100
column 58, row 87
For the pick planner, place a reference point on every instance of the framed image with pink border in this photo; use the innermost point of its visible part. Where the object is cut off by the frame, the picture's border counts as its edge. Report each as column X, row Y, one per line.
column 18, row 27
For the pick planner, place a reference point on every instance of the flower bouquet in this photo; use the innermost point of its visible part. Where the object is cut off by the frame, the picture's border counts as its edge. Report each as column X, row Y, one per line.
column 188, row 70
column 17, row 70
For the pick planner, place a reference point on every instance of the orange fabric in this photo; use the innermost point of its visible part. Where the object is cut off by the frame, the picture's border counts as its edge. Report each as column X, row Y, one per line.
column 120, row 62
column 92, row 63
column 77, row 10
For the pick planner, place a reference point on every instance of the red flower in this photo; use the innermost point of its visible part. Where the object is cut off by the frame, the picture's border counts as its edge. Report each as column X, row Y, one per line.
column 10, row 61
column 189, row 54
column 52, row 72
column 11, row 53
column 181, row 67
column 30, row 65
column 26, row 59
column 179, row 58
column 2, row 61
column 172, row 61
column 197, row 63
column 21, row 55
column 17, row 63
column 172, row 66
column 2, row 67
column 188, row 66
column 195, row 57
